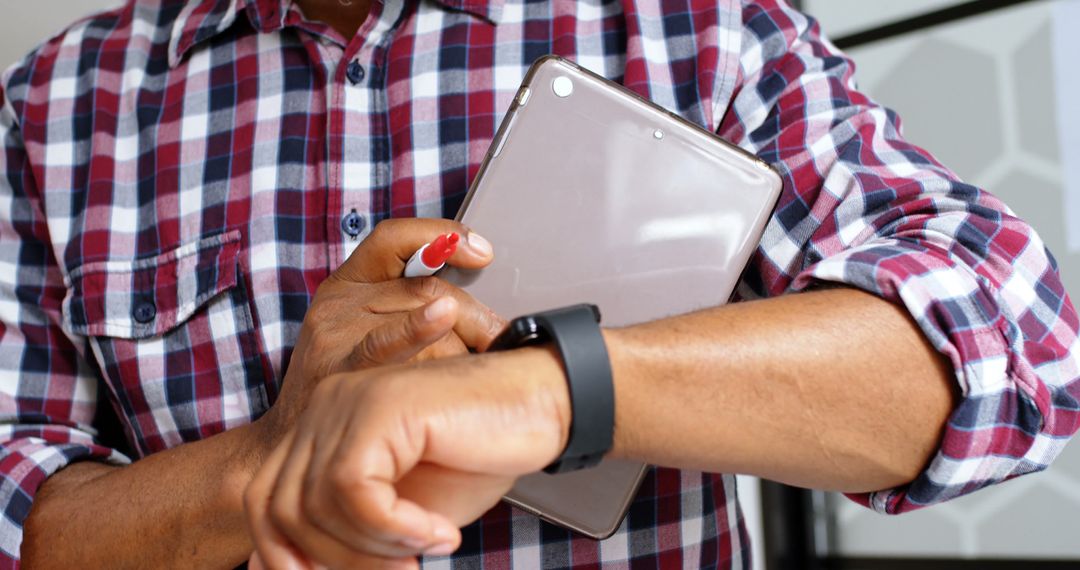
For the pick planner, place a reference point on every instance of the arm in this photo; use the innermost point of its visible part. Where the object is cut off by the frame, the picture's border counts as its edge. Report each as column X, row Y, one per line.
column 67, row 508
column 748, row 388
column 865, row 208
column 830, row 389
column 183, row 506
column 755, row 387
column 69, row 501
column 180, row 508
column 953, row 368
column 48, row 393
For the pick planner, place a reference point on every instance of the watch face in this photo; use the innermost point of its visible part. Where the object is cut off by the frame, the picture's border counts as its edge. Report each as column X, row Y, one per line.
column 522, row 331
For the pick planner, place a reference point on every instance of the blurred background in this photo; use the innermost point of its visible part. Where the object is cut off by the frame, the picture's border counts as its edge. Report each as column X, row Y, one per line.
column 986, row 86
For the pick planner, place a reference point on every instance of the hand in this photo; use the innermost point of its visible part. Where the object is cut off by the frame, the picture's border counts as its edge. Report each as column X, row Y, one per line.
column 386, row 464
column 366, row 315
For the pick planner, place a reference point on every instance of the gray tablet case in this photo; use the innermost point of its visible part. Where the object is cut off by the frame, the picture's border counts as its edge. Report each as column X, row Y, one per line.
column 590, row 193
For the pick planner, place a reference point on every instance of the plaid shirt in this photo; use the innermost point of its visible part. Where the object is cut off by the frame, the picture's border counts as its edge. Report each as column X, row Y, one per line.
column 176, row 179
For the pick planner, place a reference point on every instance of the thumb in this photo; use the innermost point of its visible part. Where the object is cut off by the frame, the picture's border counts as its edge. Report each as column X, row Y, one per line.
column 383, row 254
column 401, row 339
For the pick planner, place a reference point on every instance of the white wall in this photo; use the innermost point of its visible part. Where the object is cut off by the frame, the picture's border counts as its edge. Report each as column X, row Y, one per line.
column 27, row 24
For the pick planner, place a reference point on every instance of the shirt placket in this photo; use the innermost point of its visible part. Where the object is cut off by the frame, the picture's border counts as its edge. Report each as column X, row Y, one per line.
column 359, row 169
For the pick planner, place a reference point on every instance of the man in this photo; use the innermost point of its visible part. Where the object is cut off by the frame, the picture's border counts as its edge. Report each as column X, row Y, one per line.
column 180, row 177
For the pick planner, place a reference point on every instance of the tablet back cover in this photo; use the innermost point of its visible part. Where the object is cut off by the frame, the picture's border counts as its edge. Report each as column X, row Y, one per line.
column 591, row 194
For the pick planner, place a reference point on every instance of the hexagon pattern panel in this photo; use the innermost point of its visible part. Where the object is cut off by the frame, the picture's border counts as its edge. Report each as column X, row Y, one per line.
column 980, row 95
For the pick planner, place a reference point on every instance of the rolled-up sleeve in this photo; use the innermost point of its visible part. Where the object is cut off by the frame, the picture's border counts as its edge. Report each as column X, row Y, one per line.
column 48, row 391
column 865, row 208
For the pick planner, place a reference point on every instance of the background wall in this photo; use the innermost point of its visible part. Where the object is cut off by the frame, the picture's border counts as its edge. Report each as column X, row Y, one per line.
column 27, row 24
column 981, row 95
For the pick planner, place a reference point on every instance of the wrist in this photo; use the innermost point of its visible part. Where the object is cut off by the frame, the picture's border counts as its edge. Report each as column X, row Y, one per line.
column 252, row 443
column 578, row 376
column 626, row 360
column 544, row 385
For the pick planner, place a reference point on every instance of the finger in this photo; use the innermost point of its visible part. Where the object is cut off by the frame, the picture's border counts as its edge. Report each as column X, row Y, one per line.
column 384, row 253
column 396, row 522
column 473, row 252
column 447, row 346
column 272, row 550
column 477, row 325
column 461, row 496
column 299, row 511
column 361, row 474
column 279, row 555
column 331, row 537
column 399, row 564
column 302, row 506
column 401, row 339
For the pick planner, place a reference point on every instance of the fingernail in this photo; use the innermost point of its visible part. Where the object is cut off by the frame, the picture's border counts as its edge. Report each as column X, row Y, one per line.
column 291, row 564
column 478, row 244
column 443, row 549
column 444, row 533
column 438, row 309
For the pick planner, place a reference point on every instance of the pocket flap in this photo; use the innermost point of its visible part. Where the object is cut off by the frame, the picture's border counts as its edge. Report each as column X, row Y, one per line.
column 147, row 297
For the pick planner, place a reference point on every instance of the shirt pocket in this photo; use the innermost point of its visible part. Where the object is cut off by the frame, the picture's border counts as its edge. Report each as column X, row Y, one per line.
column 175, row 338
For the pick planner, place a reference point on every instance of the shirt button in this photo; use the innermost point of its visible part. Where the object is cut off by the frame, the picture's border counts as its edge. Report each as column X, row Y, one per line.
column 145, row 311
column 352, row 224
column 355, row 72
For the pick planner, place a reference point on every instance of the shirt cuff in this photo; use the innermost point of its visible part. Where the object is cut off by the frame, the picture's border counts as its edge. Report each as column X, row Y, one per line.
column 28, row 456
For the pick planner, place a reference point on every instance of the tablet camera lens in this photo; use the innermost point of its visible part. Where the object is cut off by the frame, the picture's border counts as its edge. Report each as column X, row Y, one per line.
column 562, row 86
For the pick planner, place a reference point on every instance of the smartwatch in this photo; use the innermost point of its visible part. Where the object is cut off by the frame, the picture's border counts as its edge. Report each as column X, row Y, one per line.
column 575, row 332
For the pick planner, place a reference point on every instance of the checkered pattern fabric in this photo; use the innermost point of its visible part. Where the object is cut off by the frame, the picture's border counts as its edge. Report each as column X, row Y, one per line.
column 176, row 179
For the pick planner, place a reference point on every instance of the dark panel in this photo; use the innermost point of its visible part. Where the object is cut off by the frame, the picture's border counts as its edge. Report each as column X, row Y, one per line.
column 787, row 515
column 923, row 21
column 942, row 564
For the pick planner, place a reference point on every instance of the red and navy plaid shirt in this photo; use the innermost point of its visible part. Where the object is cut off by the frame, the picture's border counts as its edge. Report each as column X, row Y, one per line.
column 176, row 179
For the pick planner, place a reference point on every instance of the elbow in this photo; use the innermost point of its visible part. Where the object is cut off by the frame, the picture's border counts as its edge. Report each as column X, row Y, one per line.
column 899, row 470
column 901, row 454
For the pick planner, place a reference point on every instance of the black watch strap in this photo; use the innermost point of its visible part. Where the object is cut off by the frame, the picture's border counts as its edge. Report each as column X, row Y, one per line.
column 575, row 332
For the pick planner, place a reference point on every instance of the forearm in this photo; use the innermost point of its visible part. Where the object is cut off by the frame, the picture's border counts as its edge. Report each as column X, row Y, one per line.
column 180, row 508
column 834, row 389
column 831, row 389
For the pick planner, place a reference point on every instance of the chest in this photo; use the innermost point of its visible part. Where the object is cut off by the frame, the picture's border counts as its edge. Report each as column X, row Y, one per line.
column 200, row 205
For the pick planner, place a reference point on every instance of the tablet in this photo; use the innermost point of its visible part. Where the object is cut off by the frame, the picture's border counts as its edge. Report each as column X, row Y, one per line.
column 590, row 193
